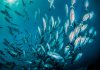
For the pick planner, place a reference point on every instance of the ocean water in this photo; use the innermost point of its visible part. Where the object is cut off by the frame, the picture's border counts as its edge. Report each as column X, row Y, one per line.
column 23, row 48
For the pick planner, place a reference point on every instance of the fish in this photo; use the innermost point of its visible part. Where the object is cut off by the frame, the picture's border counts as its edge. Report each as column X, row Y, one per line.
column 13, row 30
column 6, row 42
column 55, row 56
column 24, row 53
column 8, row 20
column 79, row 55
column 11, row 52
column 17, row 49
column 84, row 27
column 73, row 2
column 42, row 47
column 82, row 42
column 61, row 46
column 48, row 66
column 1, row 27
column 18, row 13
column 52, row 43
column 91, row 30
column 86, row 40
column 77, row 30
column 6, row 6
column 66, row 27
column 28, row 61
column 87, row 16
column 67, row 49
column 72, row 16
column 51, row 2
column 91, row 15
column 59, row 20
column 86, row 4
column 77, row 42
column 71, row 36
column 52, row 21
column 66, row 8
column 5, row 12
column 10, row 31
column 23, row 3
column 35, row 15
column 39, row 31
column 48, row 46
column 1, row 52
column 44, row 24
column 90, row 40
column 31, row 2
column 57, row 35
column 95, row 33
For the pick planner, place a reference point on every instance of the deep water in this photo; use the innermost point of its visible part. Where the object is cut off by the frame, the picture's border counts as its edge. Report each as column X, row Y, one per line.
column 28, row 25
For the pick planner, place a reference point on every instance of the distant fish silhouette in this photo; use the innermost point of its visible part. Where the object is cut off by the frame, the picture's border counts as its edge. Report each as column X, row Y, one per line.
column 5, row 12
column 18, row 13
column 1, row 52
column 31, row 2
column 8, row 20
column 23, row 3
column 6, row 6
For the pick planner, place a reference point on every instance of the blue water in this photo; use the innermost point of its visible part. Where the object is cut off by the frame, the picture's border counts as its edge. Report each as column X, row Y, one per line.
column 35, row 12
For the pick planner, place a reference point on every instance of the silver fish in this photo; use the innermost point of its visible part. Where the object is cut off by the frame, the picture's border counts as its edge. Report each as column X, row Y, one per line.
column 59, row 20
column 48, row 66
column 61, row 46
column 66, row 50
column 87, row 16
column 52, row 20
column 66, row 8
column 42, row 47
column 24, row 53
column 12, row 53
column 39, row 31
column 51, row 2
column 82, row 42
column 72, row 16
column 66, row 26
column 86, row 4
column 95, row 33
column 57, row 35
column 71, row 36
column 28, row 61
column 91, row 15
column 79, row 55
column 44, row 24
column 77, row 30
column 91, row 40
column 91, row 30
column 77, row 42
column 48, row 46
column 84, row 27
column 86, row 40
column 55, row 56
